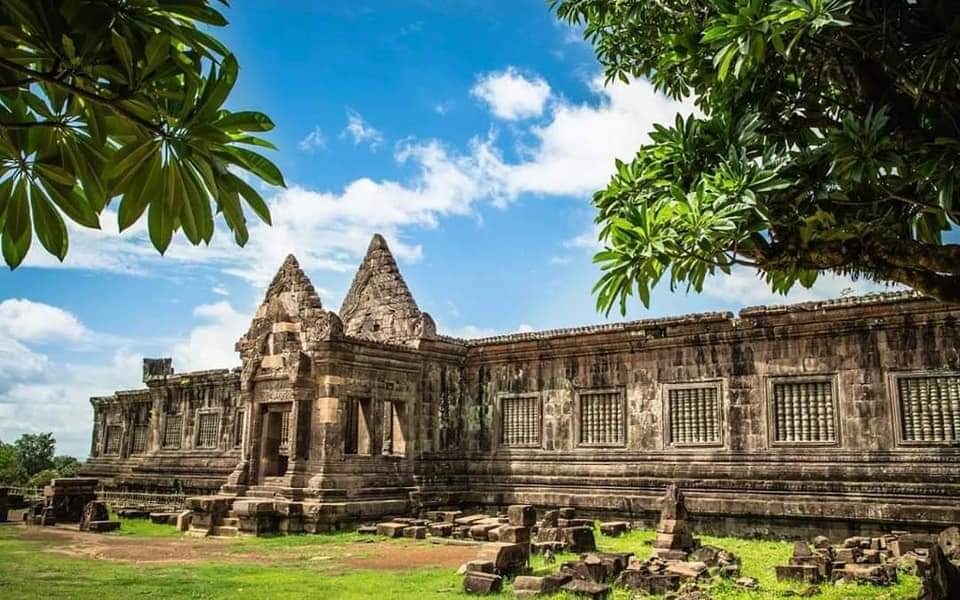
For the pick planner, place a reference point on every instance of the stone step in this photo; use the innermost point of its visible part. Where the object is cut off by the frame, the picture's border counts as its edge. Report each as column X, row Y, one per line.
column 230, row 521
column 225, row 531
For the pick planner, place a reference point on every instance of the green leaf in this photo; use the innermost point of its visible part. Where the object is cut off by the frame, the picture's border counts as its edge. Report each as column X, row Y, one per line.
column 17, row 215
column 135, row 200
column 160, row 215
column 218, row 87
column 254, row 200
column 130, row 158
column 256, row 164
column 51, row 230
column 123, row 52
column 244, row 121
column 75, row 206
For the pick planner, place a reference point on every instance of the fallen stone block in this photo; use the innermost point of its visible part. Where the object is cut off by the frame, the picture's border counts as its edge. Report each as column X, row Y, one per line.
column 449, row 516
column 550, row 518
column 367, row 530
column 163, row 518
column 579, row 539
column 522, row 515
column 614, row 528
column 541, row 547
column 440, row 529
column 587, row 589
column 469, row 519
column 93, row 511
column 481, row 531
column 864, row 573
column 184, row 520
column 802, row 573
column 391, row 529
column 649, row 583
column 133, row 513
column 417, row 532
column 481, row 566
column 747, row 583
column 527, row 586
column 590, row 569
column 514, row 534
column 507, row 559
column 687, row 570
column 475, row 582
column 102, row 526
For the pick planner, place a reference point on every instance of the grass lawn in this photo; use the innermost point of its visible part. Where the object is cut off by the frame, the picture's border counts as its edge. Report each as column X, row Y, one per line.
column 32, row 568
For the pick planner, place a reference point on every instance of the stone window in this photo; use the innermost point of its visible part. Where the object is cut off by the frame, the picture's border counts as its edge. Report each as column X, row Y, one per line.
column 208, row 426
column 138, row 444
column 520, row 421
column 803, row 411
column 929, row 407
column 602, row 418
column 112, row 444
column 358, row 425
column 693, row 414
column 285, row 431
column 172, row 431
column 238, row 424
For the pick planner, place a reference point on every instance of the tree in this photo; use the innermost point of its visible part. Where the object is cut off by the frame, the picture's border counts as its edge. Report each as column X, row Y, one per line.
column 104, row 100
column 66, row 466
column 35, row 452
column 828, row 141
column 10, row 472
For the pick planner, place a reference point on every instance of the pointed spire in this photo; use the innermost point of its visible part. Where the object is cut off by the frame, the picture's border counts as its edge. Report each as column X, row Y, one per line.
column 291, row 278
column 379, row 304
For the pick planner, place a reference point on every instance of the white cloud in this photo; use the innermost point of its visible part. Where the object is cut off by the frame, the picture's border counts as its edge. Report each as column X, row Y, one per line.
column 313, row 141
column 361, row 132
column 29, row 321
column 210, row 344
column 745, row 287
column 220, row 290
column 512, row 96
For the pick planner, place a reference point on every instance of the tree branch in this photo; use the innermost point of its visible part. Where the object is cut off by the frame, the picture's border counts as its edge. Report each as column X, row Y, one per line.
column 79, row 91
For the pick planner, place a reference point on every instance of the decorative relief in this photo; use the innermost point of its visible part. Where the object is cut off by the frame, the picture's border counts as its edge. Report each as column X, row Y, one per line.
column 803, row 411
column 929, row 408
column 693, row 415
column 601, row 418
column 520, row 421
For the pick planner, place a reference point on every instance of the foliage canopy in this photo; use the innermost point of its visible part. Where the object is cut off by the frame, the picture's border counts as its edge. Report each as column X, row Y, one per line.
column 827, row 140
column 121, row 99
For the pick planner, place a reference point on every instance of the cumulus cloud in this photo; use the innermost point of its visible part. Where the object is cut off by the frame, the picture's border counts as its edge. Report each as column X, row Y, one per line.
column 210, row 344
column 24, row 320
column 746, row 287
column 313, row 141
column 361, row 132
column 512, row 96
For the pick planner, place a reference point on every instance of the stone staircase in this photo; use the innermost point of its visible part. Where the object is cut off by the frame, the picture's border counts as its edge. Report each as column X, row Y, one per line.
column 229, row 526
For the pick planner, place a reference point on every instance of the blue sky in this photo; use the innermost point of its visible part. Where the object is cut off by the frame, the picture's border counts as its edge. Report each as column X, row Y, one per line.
column 469, row 133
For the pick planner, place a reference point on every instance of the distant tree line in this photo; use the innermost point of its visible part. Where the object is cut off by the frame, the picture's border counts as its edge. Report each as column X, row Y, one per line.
column 31, row 461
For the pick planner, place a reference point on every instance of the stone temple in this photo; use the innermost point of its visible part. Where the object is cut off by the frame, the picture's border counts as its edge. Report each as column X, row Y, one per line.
column 843, row 413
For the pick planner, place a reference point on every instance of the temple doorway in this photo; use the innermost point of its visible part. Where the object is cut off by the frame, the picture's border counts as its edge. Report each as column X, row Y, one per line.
column 274, row 441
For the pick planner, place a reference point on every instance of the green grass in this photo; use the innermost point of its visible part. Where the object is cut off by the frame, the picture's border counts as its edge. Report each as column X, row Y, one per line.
column 26, row 571
column 144, row 528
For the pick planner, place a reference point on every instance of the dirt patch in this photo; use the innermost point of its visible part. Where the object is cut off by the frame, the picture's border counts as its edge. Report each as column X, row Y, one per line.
column 396, row 557
column 141, row 550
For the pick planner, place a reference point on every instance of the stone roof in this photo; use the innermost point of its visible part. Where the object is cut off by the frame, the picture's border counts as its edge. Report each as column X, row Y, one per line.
column 639, row 325
column 379, row 305
column 292, row 280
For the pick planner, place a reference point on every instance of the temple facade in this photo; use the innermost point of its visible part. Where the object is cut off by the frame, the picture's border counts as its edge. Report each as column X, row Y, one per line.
column 844, row 412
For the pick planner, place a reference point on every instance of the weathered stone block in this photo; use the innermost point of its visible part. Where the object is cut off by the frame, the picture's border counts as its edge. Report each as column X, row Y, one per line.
column 184, row 520
column 515, row 534
column 522, row 515
column 566, row 513
column 687, row 570
column 587, row 589
column 650, row 583
column 479, row 532
column 527, row 586
column 475, row 582
column 163, row 518
column 579, row 539
column 803, row 573
column 441, row 529
column 391, row 530
column 93, row 511
column 244, row 508
column 614, row 528
column 418, row 532
column 103, row 526
column 507, row 558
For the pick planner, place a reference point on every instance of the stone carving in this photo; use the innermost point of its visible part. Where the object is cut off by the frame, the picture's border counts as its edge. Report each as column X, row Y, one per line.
column 379, row 306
